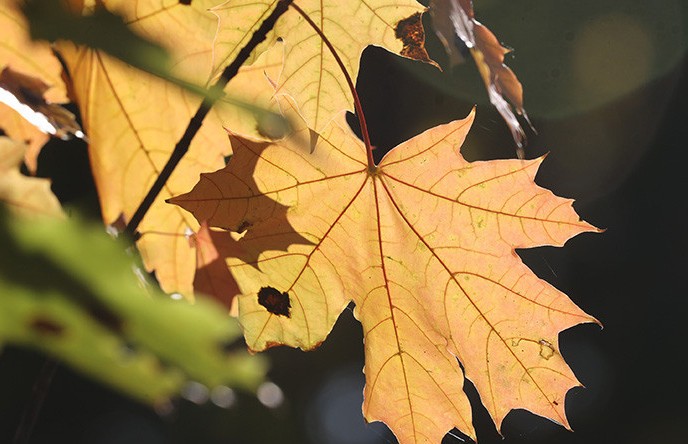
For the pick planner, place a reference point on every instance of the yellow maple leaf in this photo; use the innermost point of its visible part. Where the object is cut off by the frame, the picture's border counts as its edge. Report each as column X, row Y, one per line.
column 253, row 85
column 32, row 58
column 311, row 75
column 424, row 244
column 134, row 121
column 28, row 196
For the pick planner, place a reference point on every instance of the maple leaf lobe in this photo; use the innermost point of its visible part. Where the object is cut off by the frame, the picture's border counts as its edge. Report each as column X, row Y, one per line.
column 274, row 301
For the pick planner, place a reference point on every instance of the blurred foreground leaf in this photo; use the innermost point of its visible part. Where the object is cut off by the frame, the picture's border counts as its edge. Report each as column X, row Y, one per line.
column 101, row 29
column 98, row 28
column 70, row 290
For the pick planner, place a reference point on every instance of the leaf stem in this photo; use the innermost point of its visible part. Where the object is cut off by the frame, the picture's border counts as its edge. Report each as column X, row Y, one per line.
column 196, row 121
column 357, row 102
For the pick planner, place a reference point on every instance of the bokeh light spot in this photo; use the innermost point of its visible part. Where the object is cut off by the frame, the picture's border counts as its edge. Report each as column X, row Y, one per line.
column 270, row 395
column 613, row 54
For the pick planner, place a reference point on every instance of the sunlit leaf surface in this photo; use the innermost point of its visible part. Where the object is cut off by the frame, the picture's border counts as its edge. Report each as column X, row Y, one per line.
column 19, row 53
column 424, row 245
column 311, row 75
column 28, row 196
column 134, row 121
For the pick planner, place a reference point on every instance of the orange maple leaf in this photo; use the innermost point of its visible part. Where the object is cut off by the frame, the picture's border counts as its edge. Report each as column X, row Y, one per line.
column 424, row 244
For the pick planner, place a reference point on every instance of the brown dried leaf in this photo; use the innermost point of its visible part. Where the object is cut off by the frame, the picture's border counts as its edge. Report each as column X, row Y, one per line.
column 454, row 19
column 29, row 93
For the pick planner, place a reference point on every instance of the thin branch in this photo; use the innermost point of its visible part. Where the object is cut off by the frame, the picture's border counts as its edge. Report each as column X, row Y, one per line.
column 33, row 409
column 197, row 120
column 357, row 102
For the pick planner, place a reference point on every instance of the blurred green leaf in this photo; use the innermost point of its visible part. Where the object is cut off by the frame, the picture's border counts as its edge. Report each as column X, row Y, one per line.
column 51, row 20
column 70, row 290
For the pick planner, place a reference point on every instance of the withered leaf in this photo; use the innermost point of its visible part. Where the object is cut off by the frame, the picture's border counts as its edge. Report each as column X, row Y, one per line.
column 454, row 19
column 26, row 95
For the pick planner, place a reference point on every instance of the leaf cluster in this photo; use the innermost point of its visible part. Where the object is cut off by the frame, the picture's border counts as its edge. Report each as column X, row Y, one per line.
column 301, row 220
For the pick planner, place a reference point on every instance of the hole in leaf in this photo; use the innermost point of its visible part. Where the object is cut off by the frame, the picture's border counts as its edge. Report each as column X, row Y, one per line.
column 274, row 301
column 243, row 226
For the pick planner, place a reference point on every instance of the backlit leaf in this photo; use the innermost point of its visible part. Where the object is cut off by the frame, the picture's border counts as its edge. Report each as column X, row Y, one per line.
column 32, row 58
column 19, row 53
column 18, row 128
column 311, row 75
column 28, row 196
column 424, row 244
column 134, row 121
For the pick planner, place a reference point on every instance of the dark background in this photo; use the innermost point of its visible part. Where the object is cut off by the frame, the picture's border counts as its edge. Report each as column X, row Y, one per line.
column 606, row 86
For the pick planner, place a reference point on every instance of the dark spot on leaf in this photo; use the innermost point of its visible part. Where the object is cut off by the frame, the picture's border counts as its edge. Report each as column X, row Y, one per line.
column 185, row 2
column 546, row 349
column 47, row 327
column 411, row 33
column 243, row 226
column 555, row 403
column 274, row 301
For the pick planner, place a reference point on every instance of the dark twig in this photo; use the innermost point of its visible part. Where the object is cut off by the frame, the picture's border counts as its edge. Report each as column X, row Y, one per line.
column 197, row 120
column 33, row 409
